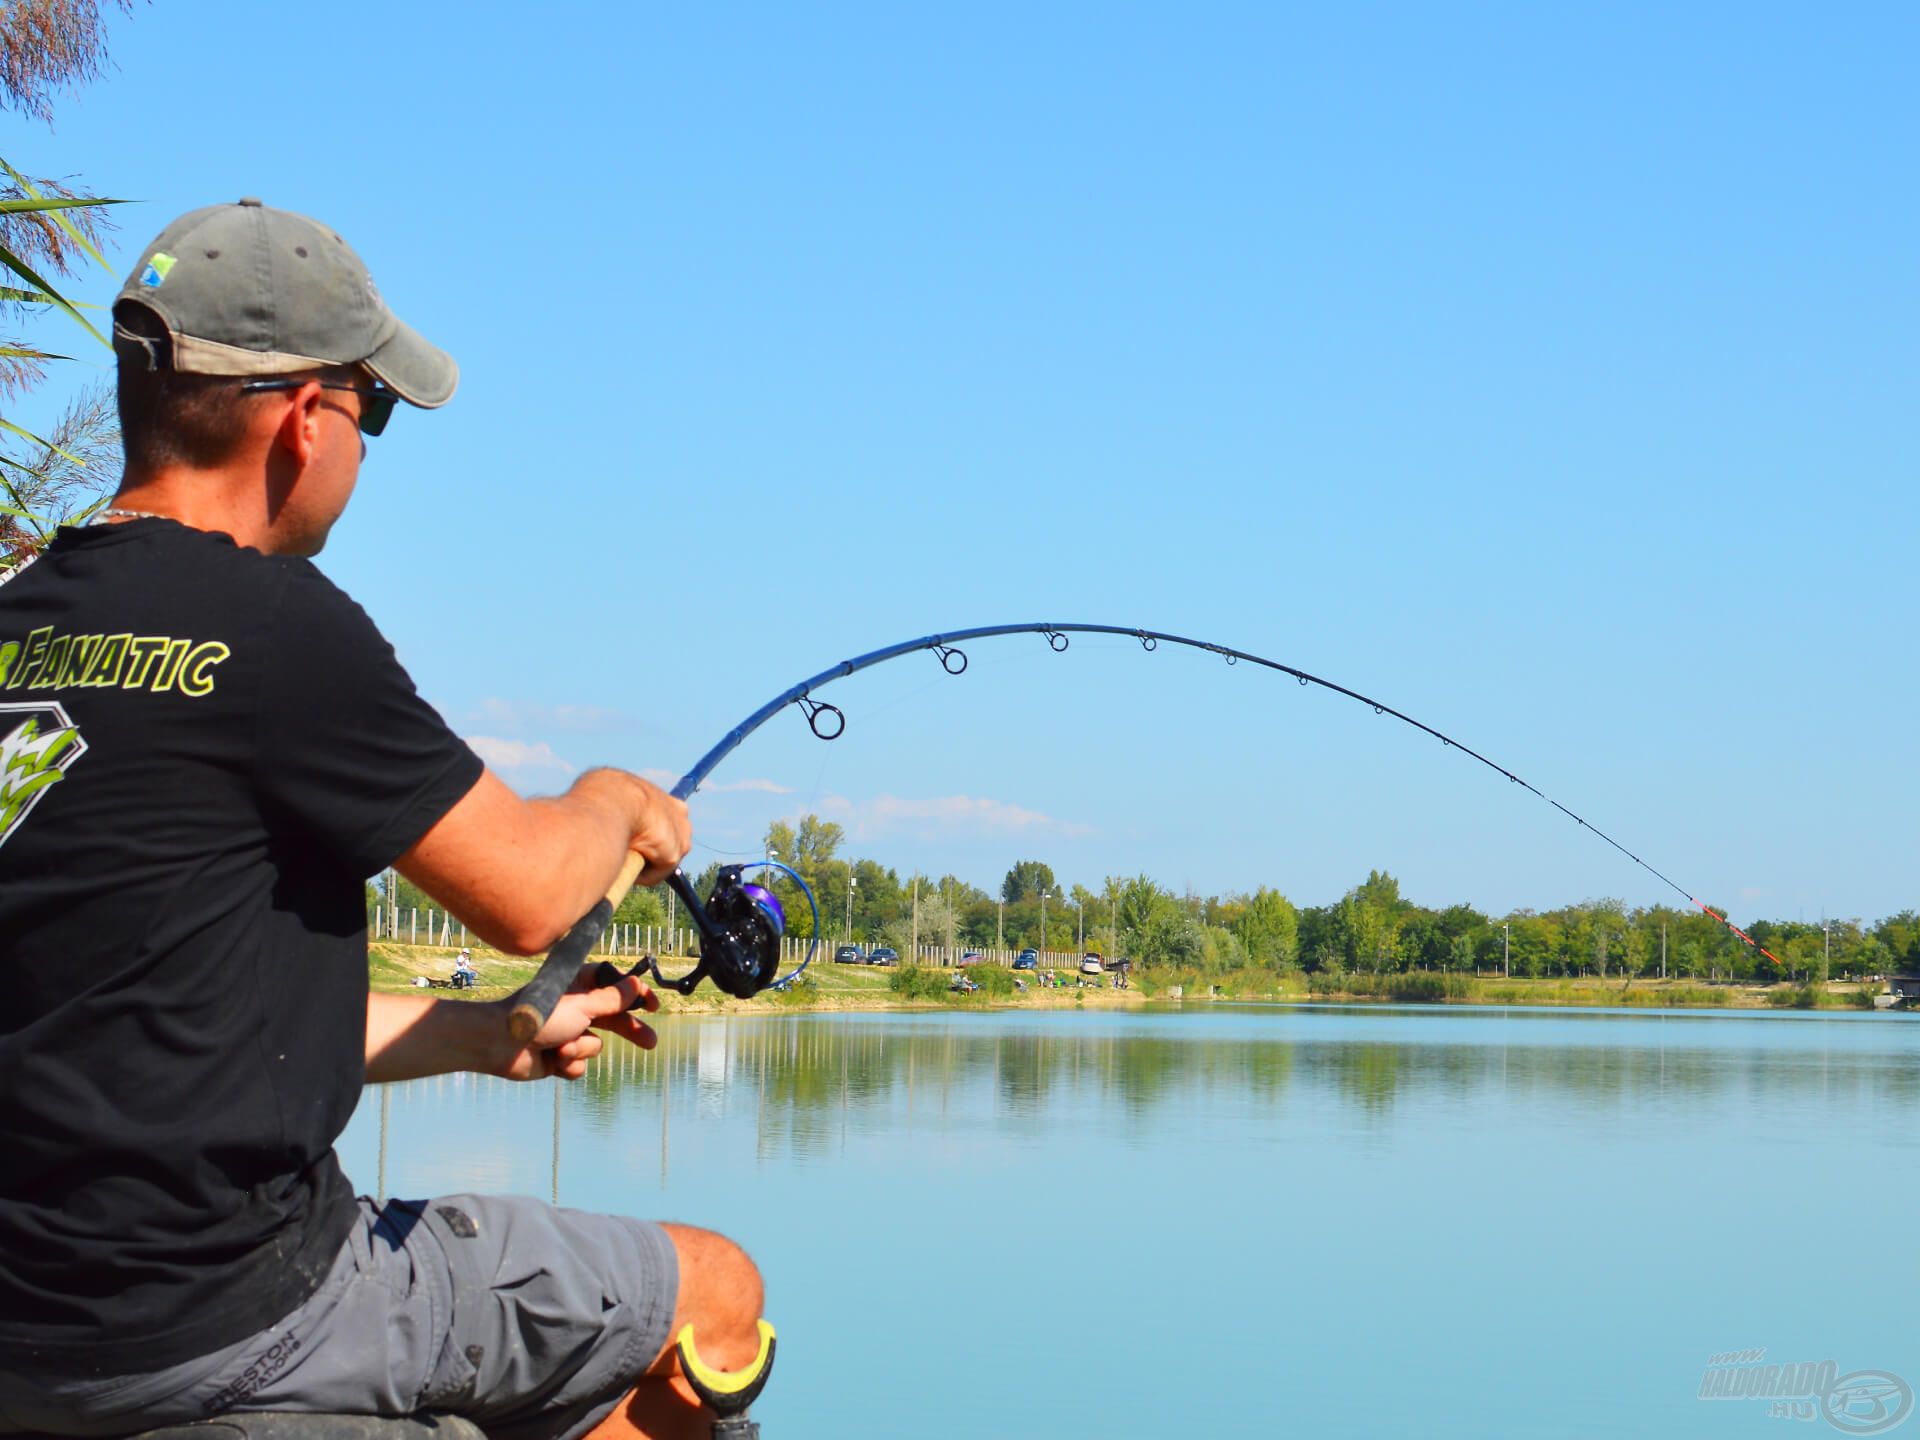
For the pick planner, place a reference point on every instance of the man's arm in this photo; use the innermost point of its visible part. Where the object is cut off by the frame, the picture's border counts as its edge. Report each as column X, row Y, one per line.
column 521, row 872
column 409, row 1036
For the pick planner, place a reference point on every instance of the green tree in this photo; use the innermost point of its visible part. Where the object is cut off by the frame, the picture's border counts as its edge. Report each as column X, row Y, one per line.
column 1137, row 900
column 1026, row 879
column 642, row 906
column 936, row 922
column 1606, row 932
column 1381, row 891
column 1367, row 934
column 1221, row 949
column 878, row 899
column 1173, row 936
column 1420, row 944
column 1322, row 943
column 1157, row 928
column 815, row 844
column 1845, row 939
column 779, row 842
column 1872, row 957
column 1536, row 943
column 1269, row 928
column 1900, row 935
column 1460, row 953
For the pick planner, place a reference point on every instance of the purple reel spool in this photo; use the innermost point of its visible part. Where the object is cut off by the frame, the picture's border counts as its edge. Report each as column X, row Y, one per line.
column 769, row 904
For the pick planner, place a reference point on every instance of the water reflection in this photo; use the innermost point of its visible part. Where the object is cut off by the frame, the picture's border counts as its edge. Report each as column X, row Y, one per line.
column 808, row 1084
column 810, row 1081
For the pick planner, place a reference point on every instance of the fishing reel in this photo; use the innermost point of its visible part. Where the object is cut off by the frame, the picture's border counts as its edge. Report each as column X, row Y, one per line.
column 741, row 926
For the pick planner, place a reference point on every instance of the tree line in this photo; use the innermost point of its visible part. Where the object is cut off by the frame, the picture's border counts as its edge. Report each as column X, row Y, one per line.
column 1372, row 928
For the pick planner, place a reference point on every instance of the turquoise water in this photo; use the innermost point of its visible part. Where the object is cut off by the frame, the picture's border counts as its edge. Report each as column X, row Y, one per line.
column 1297, row 1220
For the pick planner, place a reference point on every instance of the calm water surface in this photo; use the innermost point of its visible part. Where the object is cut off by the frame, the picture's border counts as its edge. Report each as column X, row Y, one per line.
column 1297, row 1221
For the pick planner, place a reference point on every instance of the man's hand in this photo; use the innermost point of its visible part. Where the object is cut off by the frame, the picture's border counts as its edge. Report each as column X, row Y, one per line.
column 662, row 833
column 569, row 1039
column 409, row 1036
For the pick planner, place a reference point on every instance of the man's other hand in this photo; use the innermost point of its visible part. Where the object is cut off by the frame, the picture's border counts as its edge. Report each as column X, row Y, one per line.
column 571, row 1037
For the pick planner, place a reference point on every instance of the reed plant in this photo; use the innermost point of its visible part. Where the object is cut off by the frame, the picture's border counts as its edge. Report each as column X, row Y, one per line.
column 995, row 981
column 919, row 982
column 1670, row 995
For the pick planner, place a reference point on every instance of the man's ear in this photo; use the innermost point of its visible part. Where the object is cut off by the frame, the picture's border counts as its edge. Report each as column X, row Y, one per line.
column 298, row 433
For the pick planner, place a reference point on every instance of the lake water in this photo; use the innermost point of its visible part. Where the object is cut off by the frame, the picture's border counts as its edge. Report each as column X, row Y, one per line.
column 1278, row 1220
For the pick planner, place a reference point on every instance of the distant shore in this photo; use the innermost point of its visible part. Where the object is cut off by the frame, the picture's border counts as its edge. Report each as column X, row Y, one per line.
column 394, row 969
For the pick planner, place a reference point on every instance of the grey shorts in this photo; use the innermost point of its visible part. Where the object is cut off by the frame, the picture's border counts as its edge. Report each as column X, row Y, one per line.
column 530, row 1320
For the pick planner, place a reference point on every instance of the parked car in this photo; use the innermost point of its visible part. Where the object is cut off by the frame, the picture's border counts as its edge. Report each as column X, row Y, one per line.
column 849, row 955
column 883, row 955
column 1026, row 960
column 1092, row 964
column 973, row 957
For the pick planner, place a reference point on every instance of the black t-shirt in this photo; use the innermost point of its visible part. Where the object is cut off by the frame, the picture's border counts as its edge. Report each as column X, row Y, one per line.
column 204, row 752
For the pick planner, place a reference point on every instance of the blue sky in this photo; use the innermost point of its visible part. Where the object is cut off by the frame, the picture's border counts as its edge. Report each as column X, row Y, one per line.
column 1549, row 372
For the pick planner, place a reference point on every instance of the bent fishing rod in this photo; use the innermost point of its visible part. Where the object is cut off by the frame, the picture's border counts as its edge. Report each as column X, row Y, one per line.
column 740, row 925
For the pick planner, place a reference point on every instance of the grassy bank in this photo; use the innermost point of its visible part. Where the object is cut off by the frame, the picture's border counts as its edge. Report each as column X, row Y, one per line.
column 858, row 987
column 1426, row 987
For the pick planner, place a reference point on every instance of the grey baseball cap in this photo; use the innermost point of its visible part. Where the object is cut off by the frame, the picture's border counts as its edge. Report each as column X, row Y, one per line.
column 245, row 289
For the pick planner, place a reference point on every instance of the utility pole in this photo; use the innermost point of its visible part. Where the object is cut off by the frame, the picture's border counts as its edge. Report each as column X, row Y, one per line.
column 1000, row 926
column 1663, row 949
column 914, row 958
column 850, row 884
column 1506, row 950
column 1043, row 927
column 1080, row 923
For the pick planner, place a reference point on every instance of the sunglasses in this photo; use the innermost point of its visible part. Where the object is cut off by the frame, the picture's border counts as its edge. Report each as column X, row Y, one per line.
column 376, row 401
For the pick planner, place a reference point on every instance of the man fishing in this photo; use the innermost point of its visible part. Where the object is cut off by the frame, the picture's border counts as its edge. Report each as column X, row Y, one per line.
column 205, row 749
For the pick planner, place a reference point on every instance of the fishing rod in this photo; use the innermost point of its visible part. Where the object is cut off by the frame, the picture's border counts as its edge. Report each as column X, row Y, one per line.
column 741, row 924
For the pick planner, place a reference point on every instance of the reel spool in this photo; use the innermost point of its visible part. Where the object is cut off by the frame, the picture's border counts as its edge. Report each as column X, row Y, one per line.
column 741, row 926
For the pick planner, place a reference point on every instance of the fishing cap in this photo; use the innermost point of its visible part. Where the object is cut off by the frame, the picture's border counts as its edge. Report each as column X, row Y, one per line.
column 244, row 289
